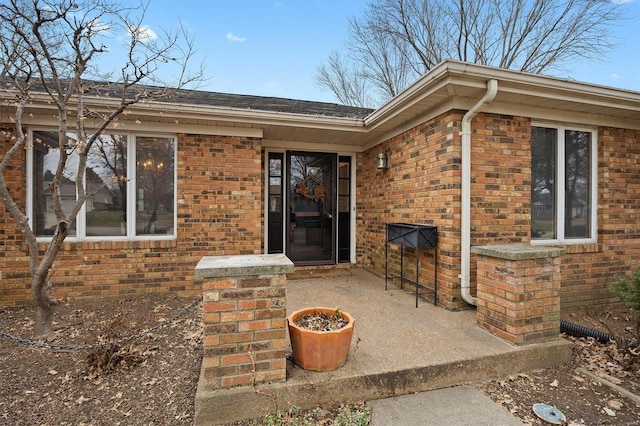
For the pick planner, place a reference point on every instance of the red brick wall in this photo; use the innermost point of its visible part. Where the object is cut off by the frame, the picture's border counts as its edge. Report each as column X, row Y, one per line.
column 519, row 299
column 220, row 212
column 589, row 270
column 423, row 186
column 13, row 260
column 219, row 194
column 500, row 179
column 244, row 317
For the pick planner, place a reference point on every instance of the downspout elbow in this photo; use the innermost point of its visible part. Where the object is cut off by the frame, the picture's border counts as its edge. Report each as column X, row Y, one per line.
column 465, row 220
column 489, row 96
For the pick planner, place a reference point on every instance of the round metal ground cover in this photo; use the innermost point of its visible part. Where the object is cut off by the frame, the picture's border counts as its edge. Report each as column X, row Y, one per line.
column 549, row 414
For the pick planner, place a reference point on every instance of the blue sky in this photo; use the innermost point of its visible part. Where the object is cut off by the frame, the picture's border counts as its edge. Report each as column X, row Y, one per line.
column 272, row 47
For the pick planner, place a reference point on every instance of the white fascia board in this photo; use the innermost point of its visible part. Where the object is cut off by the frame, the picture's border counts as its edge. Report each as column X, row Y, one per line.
column 550, row 114
column 419, row 90
column 170, row 112
column 408, row 125
column 563, row 116
column 461, row 74
column 626, row 103
column 448, row 75
column 545, row 87
column 156, row 127
column 542, row 82
column 308, row 146
column 252, row 116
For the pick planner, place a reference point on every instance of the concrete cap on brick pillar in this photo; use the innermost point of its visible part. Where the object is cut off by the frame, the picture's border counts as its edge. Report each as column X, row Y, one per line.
column 518, row 251
column 243, row 265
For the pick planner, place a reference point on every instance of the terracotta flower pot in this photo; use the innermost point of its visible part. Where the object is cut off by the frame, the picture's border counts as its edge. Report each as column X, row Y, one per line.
column 320, row 350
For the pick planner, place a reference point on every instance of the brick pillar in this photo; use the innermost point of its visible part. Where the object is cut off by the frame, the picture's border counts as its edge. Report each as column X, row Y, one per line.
column 244, row 305
column 519, row 291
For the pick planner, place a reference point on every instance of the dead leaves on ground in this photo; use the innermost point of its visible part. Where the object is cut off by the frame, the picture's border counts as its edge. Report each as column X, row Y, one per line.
column 582, row 399
column 151, row 379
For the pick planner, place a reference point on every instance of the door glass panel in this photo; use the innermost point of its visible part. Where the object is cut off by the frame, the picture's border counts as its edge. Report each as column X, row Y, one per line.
column 311, row 207
column 275, row 217
column 344, row 209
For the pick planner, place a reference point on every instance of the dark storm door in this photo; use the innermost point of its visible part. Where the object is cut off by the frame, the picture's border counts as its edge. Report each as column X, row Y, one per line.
column 311, row 203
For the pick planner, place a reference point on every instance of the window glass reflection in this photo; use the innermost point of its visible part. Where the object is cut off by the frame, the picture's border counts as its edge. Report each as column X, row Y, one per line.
column 107, row 181
column 46, row 154
column 543, row 179
column 154, row 185
column 577, row 184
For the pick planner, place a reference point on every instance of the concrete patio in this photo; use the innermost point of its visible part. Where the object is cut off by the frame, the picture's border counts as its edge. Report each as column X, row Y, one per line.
column 396, row 349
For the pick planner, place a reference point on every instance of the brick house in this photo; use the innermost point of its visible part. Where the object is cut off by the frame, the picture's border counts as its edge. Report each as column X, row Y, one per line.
column 488, row 156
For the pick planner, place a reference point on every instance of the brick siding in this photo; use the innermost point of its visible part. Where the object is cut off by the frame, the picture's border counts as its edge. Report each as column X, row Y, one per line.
column 588, row 270
column 220, row 190
column 245, row 334
column 219, row 212
column 423, row 186
column 519, row 292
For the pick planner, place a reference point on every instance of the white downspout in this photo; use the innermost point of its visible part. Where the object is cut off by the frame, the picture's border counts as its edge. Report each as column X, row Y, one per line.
column 465, row 222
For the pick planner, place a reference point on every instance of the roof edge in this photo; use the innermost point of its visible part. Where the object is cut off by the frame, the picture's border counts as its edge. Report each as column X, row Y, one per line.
column 474, row 74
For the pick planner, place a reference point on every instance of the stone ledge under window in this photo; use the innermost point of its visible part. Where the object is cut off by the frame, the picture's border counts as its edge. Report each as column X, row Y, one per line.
column 518, row 251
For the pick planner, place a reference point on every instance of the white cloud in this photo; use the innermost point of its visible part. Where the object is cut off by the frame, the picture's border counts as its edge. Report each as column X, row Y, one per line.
column 232, row 37
column 616, row 76
column 143, row 33
column 98, row 26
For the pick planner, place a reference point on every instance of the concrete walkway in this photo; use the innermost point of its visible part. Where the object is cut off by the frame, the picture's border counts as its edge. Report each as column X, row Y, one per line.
column 459, row 406
column 397, row 349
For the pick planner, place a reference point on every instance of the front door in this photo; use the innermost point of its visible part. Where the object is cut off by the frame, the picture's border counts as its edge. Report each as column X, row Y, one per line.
column 311, row 203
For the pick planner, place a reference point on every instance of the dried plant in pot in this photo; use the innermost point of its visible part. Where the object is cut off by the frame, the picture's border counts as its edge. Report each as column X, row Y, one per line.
column 320, row 350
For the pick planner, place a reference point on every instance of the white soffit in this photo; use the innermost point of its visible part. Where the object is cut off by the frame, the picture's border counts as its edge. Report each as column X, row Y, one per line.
column 458, row 85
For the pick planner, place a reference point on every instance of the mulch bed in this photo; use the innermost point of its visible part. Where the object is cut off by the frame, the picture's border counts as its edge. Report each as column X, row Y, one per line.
column 152, row 380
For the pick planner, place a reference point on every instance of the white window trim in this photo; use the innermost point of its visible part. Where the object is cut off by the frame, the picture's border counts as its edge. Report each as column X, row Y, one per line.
column 131, row 188
column 560, row 164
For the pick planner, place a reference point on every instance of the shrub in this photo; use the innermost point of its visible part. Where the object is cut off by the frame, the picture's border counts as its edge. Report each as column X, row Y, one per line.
column 628, row 290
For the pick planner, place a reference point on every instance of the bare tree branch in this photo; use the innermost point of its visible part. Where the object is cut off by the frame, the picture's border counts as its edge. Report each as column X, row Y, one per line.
column 537, row 36
column 52, row 47
column 350, row 85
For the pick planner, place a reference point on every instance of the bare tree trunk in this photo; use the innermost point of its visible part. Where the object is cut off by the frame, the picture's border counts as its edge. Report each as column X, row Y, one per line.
column 44, row 307
column 49, row 51
column 43, row 321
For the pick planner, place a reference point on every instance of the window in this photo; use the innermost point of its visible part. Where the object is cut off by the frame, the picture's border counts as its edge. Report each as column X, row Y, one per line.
column 563, row 184
column 131, row 180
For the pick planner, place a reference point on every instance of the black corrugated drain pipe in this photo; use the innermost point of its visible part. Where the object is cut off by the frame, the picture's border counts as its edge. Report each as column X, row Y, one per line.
column 582, row 331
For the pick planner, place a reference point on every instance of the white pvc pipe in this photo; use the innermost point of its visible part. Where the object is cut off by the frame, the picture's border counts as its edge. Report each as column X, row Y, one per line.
column 465, row 221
